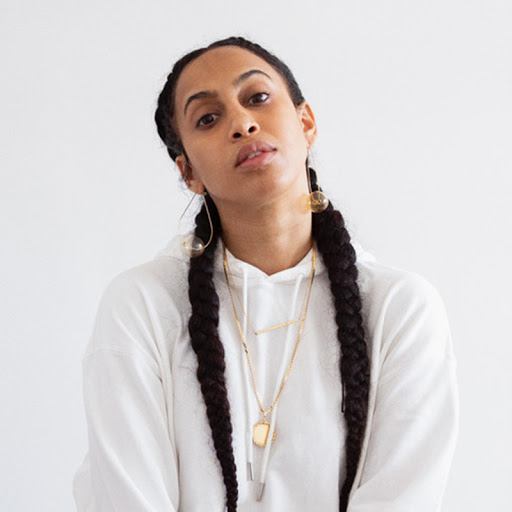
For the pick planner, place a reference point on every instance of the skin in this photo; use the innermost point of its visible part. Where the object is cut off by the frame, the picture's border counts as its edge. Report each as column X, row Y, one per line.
column 264, row 211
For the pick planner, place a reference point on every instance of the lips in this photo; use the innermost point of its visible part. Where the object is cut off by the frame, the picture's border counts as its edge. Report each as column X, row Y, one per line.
column 253, row 150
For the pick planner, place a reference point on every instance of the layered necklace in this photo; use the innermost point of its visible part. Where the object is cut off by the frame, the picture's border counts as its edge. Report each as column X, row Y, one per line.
column 272, row 327
column 261, row 429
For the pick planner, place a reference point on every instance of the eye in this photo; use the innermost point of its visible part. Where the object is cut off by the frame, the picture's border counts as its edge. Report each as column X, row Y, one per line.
column 206, row 119
column 259, row 97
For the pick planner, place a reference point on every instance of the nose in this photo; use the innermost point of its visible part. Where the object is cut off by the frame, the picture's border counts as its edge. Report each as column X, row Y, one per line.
column 243, row 125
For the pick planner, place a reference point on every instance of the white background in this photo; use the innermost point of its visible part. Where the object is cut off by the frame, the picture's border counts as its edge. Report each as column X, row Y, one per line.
column 414, row 105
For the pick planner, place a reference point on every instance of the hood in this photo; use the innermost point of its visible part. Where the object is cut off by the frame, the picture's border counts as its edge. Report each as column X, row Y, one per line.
column 240, row 268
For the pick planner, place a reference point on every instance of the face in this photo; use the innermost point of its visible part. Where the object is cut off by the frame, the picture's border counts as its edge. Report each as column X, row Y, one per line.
column 245, row 140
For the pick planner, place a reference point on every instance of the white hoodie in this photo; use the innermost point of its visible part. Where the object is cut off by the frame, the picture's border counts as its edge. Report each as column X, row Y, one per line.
column 150, row 445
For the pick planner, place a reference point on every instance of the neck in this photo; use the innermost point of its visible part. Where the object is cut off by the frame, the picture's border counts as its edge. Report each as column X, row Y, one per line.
column 272, row 238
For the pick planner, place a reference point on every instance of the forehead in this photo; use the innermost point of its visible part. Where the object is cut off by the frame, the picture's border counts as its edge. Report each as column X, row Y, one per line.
column 217, row 68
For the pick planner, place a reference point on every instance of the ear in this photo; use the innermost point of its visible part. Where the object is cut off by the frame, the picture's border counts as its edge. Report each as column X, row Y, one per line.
column 189, row 176
column 308, row 122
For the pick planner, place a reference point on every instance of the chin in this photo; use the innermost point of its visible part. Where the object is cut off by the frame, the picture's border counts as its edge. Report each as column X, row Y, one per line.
column 272, row 184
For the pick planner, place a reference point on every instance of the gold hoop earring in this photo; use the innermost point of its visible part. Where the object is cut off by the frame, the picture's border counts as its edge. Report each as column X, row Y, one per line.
column 318, row 201
column 191, row 245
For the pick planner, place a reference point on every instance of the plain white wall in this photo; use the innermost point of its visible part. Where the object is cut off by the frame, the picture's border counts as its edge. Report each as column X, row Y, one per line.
column 414, row 106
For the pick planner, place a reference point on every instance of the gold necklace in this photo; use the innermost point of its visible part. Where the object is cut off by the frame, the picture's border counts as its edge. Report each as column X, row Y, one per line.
column 261, row 429
column 273, row 327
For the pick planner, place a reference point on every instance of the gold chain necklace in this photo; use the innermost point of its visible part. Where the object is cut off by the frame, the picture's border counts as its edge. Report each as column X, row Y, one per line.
column 261, row 429
column 273, row 327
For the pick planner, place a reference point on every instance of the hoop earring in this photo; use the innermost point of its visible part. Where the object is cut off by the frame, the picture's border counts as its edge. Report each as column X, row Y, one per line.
column 191, row 245
column 318, row 201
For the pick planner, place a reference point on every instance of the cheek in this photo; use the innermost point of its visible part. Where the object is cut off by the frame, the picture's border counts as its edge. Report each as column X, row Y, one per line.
column 209, row 166
column 297, row 143
column 202, row 156
column 291, row 128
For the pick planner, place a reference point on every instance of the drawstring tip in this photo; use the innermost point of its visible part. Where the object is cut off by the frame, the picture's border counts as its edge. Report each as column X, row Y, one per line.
column 342, row 396
column 249, row 471
column 261, row 488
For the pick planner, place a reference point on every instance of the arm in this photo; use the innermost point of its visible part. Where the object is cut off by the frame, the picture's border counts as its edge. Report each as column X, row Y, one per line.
column 132, row 456
column 413, row 405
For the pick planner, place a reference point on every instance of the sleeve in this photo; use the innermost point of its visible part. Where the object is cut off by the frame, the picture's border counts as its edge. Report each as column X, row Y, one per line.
column 132, row 456
column 413, row 418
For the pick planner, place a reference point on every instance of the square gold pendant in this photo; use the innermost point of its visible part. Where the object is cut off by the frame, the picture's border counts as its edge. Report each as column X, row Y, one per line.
column 260, row 433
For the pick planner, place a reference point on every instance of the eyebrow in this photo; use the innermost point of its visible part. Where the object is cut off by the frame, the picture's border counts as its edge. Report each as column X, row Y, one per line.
column 213, row 94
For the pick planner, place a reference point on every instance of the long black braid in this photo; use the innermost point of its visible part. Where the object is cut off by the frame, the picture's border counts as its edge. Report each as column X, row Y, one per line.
column 204, row 336
column 333, row 243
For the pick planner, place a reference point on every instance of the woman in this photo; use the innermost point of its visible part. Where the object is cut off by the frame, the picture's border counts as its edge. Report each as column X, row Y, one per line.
column 300, row 374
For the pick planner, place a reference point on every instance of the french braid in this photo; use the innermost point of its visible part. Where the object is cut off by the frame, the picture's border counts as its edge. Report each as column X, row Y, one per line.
column 204, row 337
column 333, row 242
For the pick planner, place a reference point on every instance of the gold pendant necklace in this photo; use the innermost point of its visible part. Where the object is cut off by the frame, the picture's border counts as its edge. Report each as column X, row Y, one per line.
column 260, row 433
column 261, row 429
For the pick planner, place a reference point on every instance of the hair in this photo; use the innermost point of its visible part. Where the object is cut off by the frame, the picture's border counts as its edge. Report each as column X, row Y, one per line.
column 333, row 242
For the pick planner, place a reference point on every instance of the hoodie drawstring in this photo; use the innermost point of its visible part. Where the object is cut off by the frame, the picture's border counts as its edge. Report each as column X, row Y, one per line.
column 282, row 370
column 250, row 449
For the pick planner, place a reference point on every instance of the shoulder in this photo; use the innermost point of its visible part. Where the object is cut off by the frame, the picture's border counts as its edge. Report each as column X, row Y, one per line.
column 385, row 285
column 150, row 283
column 402, row 309
column 141, row 302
